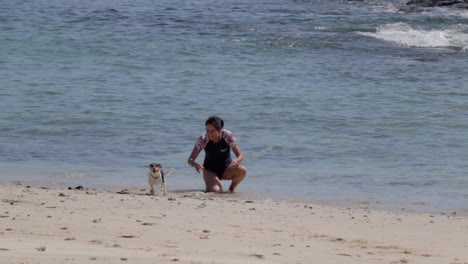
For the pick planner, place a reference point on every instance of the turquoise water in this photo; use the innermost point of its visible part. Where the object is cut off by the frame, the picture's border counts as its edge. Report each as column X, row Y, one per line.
column 329, row 100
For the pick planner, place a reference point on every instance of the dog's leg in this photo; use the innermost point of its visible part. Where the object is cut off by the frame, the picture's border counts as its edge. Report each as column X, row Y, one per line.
column 163, row 183
column 152, row 189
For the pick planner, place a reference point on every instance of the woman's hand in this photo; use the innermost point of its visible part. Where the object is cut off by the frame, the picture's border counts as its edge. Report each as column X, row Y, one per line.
column 199, row 168
column 234, row 163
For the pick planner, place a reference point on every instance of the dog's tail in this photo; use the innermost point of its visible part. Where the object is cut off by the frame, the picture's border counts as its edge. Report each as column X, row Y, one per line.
column 168, row 172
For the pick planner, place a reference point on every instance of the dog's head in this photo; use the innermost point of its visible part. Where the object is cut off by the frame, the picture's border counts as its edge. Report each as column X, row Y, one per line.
column 155, row 167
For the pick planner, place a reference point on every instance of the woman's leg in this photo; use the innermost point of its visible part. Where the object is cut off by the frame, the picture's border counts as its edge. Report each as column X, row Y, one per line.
column 236, row 174
column 212, row 181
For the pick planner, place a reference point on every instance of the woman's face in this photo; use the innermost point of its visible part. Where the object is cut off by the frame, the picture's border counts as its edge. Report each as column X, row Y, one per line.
column 212, row 133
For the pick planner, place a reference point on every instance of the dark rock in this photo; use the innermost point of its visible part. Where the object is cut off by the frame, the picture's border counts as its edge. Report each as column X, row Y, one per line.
column 439, row 3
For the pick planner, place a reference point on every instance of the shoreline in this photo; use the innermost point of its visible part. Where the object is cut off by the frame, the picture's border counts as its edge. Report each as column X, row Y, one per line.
column 55, row 224
column 444, row 202
column 250, row 192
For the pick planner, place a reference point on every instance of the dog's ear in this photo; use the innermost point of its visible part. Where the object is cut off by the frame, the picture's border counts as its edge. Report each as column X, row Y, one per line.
column 158, row 165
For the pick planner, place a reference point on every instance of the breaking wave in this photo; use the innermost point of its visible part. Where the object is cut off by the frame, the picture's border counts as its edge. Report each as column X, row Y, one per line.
column 408, row 36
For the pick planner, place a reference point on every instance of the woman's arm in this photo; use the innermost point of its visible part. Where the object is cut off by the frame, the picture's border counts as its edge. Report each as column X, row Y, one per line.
column 239, row 155
column 191, row 160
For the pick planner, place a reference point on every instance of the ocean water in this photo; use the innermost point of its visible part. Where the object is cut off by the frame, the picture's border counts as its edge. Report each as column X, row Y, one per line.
column 330, row 100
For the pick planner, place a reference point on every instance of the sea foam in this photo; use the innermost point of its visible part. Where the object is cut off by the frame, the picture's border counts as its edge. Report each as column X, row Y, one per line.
column 406, row 35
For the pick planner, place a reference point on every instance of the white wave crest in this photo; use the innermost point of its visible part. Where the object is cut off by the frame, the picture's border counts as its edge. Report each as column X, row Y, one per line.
column 408, row 36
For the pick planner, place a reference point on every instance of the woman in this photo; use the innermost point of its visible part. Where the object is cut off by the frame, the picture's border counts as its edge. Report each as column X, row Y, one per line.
column 218, row 164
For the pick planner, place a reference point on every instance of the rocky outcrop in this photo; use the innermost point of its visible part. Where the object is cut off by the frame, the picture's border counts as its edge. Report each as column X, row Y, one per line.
column 439, row 3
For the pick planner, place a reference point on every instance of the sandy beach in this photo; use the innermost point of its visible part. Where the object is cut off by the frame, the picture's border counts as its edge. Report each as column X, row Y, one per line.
column 57, row 224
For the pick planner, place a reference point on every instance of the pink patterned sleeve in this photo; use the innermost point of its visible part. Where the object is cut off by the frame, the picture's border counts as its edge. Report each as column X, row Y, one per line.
column 201, row 142
column 230, row 138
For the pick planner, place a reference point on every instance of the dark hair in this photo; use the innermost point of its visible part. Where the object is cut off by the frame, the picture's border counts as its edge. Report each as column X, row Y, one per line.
column 217, row 122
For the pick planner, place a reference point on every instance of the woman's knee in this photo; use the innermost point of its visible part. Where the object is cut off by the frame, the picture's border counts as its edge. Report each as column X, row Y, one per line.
column 242, row 169
column 212, row 182
column 214, row 188
column 236, row 173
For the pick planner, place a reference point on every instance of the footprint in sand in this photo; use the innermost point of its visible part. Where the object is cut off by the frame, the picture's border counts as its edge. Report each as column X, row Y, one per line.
column 95, row 242
column 127, row 236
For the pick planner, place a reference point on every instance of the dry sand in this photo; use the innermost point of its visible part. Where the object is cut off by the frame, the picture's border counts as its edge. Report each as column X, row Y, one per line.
column 57, row 225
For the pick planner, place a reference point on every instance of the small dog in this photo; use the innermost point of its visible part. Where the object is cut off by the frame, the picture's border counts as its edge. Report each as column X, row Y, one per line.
column 156, row 176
